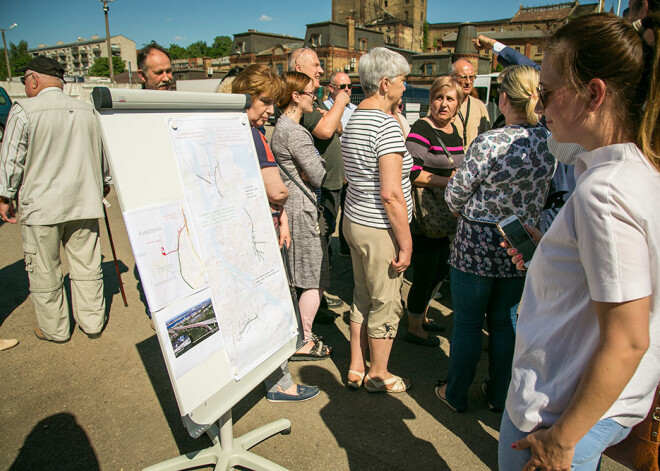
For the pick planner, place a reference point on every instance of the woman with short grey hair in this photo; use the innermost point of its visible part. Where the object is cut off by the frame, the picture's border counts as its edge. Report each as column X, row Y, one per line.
column 376, row 219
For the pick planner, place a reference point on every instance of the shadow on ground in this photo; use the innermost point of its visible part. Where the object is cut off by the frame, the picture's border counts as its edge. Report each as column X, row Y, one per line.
column 56, row 443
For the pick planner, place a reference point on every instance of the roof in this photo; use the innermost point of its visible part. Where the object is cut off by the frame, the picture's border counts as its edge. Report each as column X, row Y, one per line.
column 272, row 35
column 333, row 23
column 287, row 47
column 501, row 35
column 390, row 20
column 459, row 23
column 76, row 43
column 556, row 12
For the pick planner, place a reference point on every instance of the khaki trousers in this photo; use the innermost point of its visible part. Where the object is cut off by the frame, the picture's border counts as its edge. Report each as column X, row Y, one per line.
column 377, row 292
column 82, row 247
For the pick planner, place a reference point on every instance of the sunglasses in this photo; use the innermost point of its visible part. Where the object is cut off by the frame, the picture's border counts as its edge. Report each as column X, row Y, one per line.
column 24, row 78
column 343, row 86
column 544, row 95
column 312, row 95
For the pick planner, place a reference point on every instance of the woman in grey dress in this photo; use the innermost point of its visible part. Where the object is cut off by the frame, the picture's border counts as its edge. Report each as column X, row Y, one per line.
column 302, row 170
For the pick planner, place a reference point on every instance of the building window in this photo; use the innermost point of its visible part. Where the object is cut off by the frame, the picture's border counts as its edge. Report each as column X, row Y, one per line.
column 539, row 50
column 407, row 2
column 385, row 3
column 388, row 39
column 322, row 61
column 363, row 44
column 406, row 12
column 429, row 69
column 316, row 40
column 280, row 68
column 421, row 16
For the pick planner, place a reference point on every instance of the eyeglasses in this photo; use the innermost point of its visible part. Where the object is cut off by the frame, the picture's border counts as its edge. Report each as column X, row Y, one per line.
column 465, row 78
column 544, row 95
column 343, row 86
column 309, row 94
column 24, row 78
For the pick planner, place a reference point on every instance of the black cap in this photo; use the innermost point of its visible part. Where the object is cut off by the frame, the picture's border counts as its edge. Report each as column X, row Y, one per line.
column 45, row 65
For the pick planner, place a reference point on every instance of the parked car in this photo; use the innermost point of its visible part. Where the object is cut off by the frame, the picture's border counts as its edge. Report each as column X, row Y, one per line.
column 5, row 105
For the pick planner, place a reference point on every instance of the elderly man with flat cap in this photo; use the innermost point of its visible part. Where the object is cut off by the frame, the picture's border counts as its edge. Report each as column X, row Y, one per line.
column 51, row 163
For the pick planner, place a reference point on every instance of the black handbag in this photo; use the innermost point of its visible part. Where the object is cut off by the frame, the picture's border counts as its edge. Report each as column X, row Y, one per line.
column 432, row 214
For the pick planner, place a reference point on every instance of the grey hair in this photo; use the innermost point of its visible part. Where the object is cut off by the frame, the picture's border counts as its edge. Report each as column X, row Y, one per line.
column 295, row 54
column 378, row 64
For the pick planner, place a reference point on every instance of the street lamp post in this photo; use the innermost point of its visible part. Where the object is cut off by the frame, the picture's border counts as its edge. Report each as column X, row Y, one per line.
column 107, row 38
column 4, row 43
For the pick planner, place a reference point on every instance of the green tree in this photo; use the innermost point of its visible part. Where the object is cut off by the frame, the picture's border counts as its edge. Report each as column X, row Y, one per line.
column 177, row 52
column 18, row 58
column 100, row 67
column 197, row 49
column 221, row 46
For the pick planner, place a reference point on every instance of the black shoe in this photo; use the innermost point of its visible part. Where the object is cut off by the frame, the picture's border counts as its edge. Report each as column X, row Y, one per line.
column 332, row 302
column 432, row 326
column 425, row 342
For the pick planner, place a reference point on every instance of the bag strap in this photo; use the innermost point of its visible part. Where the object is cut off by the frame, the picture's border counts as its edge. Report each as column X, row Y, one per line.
column 318, row 207
column 444, row 147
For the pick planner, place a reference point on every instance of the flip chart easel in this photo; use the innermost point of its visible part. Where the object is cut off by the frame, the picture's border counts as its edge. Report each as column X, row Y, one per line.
column 142, row 159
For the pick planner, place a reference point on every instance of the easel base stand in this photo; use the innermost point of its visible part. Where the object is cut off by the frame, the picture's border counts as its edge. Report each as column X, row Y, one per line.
column 228, row 451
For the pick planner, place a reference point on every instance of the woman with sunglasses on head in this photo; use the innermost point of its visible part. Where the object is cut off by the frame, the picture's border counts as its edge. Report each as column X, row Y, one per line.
column 506, row 172
column 303, row 171
column 587, row 356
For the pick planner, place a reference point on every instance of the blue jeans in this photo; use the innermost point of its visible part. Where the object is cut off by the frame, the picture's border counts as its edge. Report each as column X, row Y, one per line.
column 605, row 433
column 474, row 297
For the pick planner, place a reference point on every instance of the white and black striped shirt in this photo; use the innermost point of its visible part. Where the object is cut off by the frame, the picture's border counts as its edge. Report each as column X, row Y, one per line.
column 369, row 135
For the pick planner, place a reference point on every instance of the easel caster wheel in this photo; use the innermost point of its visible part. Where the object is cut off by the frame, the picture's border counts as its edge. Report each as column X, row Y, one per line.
column 286, row 431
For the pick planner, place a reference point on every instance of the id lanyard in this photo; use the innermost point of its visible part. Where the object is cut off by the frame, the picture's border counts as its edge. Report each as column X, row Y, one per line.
column 465, row 122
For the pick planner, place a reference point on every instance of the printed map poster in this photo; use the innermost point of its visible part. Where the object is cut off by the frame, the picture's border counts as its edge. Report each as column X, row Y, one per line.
column 231, row 216
column 191, row 327
column 166, row 253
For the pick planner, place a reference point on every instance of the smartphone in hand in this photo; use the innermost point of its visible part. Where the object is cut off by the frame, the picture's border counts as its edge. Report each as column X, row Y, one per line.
column 517, row 236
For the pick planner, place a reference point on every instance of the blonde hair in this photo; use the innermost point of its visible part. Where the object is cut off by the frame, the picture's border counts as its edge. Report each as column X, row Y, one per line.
column 520, row 83
column 447, row 81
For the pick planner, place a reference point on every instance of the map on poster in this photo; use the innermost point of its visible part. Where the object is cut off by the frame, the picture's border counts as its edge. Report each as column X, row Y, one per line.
column 224, row 191
column 168, row 259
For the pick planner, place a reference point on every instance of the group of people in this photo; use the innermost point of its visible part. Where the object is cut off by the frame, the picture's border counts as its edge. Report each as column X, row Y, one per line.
column 573, row 341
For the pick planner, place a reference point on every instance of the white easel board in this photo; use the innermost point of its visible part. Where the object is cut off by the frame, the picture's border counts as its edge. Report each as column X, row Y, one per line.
column 188, row 182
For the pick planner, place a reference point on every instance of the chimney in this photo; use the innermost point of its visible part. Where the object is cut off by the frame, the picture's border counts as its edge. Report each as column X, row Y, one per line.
column 350, row 24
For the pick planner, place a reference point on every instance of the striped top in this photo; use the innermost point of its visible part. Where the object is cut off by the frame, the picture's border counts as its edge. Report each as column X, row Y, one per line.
column 369, row 135
column 423, row 142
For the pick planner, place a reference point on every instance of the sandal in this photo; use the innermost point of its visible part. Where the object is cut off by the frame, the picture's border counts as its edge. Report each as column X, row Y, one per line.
column 438, row 386
column 355, row 384
column 399, row 384
column 315, row 338
column 318, row 352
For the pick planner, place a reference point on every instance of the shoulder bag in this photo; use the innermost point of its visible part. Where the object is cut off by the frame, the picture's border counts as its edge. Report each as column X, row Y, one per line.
column 639, row 450
column 431, row 211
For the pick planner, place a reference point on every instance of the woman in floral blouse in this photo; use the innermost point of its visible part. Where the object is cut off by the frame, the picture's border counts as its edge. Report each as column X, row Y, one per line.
column 506, row 171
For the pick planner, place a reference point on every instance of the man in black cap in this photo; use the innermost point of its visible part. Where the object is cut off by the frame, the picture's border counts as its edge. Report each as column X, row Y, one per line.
column 52, row 155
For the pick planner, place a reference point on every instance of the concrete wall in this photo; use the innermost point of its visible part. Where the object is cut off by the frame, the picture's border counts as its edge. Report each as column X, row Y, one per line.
column 81, row 91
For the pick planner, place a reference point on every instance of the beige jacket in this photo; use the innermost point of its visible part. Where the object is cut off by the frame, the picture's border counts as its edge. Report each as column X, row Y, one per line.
column 52, row 156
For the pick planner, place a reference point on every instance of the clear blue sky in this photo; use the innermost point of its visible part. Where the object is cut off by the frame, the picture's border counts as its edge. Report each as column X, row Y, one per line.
column 186, row 21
